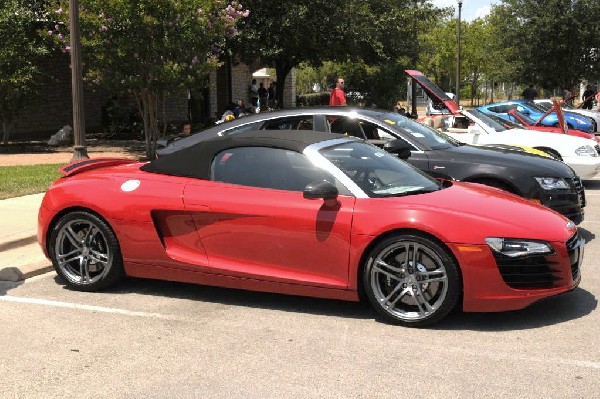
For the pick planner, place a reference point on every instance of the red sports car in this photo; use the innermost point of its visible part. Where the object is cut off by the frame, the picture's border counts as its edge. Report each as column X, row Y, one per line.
column 307, row 213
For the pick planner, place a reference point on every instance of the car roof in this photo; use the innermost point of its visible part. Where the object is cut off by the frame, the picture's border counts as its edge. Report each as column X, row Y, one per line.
column 195, row 160
column 213, row 131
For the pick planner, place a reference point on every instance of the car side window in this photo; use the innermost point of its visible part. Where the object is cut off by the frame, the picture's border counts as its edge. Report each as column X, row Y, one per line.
column 242, row 128
column 267, row 167
column 378, row 135
column 346, row 126
column 291, row 123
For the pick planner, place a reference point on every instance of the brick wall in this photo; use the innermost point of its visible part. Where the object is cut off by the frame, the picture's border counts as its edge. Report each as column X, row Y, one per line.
column 53, row 109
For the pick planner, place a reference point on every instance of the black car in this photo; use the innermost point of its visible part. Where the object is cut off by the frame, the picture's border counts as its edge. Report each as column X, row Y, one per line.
column 546, row 181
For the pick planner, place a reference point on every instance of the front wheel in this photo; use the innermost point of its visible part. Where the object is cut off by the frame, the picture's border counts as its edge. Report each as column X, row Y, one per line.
column 411, row 280
column 85, row 252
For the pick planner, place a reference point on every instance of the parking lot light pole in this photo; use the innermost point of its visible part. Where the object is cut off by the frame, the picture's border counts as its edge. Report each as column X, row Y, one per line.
column 457, row 94
column 79, row 147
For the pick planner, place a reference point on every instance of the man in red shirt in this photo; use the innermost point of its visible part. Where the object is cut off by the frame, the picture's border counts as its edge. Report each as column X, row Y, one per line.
column 337, row 96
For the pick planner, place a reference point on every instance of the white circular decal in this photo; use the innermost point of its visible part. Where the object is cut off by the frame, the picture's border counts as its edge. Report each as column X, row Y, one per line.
column 130, row 185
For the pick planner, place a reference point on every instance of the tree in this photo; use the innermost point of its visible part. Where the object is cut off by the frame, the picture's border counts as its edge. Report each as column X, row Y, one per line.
column 286, row 34
column 20, row 52
column 149, row 48
column 554, row 39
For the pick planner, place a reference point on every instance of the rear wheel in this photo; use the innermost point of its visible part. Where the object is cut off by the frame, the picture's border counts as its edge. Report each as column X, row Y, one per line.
column 85, row 252
column 411, row 280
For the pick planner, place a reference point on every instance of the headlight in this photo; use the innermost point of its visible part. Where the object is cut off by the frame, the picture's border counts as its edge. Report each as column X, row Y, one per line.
column 515, row 247
column 552, row 183
column 586, row 150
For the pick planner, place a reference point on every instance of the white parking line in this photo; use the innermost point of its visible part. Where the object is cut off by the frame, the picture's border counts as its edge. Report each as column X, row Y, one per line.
column 68, row 305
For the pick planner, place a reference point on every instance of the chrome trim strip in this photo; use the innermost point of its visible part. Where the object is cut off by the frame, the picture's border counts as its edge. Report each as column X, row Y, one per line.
column 313, row 154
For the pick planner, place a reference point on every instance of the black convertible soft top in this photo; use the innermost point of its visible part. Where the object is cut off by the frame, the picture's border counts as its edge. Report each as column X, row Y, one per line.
column 195, row 160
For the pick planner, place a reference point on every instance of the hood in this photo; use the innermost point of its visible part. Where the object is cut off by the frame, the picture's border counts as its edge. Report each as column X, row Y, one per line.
column 509, row 158
column 432, row 90
column 487, row 211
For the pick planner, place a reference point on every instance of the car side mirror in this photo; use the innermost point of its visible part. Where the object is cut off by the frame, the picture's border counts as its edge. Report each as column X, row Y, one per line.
column 320, row 189
column 398, row 147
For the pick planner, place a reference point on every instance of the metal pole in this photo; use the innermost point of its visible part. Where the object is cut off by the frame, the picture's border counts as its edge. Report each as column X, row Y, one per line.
column 79, row 147
column 457, row 94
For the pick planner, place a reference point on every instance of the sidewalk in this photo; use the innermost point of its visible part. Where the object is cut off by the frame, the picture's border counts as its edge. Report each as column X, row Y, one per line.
column 20, row 254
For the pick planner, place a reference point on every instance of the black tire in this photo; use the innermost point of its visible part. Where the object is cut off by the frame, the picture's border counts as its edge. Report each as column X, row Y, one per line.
column 85, row 252
column 398, row 290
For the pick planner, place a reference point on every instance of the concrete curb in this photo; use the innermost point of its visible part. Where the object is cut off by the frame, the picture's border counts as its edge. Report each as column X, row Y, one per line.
column 20, row 255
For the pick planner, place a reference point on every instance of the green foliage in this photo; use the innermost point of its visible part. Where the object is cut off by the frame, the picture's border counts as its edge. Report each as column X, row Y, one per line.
column 310, row 32
column 312, row 99
column 16, row 181
column 21, row 49
column 149, row 47
column 553, row 40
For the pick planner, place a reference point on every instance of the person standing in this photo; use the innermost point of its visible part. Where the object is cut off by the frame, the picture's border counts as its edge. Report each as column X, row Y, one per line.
column 272, row 91
column 337, row 96
column 567, row 96
column 254, row 93
column 588, row 98
column 263, row 96
column 530, row 93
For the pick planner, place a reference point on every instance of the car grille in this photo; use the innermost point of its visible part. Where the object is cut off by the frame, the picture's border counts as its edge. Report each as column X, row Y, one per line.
column 575, row 249
column 538, row 272
column 578, row 184
column 526, row 273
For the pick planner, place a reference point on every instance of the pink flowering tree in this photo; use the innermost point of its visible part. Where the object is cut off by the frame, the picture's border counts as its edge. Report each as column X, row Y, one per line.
column 149, row 48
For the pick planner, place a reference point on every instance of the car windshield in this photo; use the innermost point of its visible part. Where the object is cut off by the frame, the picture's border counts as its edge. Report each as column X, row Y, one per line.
column 545, row 105
column 486, row 119
column 504, row 122
column 424, row 134
column 535, row 107
column 378, row 173
column 524, row 117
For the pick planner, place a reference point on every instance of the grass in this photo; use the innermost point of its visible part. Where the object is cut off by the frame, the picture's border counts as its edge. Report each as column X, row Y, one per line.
column 16, row 181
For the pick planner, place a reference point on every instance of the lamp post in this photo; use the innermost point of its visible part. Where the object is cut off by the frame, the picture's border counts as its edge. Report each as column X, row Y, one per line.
column 457, row 94
column 79, row 147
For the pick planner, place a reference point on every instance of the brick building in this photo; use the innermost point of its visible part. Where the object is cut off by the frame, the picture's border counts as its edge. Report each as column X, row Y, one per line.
column 53, row 109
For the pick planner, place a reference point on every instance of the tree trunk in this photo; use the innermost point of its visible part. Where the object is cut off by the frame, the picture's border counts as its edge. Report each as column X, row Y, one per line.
column 282, row 69
column 5, row 132
column 147, row 102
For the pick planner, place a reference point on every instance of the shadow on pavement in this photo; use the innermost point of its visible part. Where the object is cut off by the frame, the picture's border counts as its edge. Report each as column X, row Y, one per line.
column 252, row 299
column 591, row 184
column 569, row 306
column 6, row 286
column 555, row 310
column 586, row 234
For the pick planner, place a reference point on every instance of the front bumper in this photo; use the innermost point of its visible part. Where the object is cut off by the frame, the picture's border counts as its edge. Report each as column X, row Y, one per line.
column 491, row 284
column 569, row 203
column 585, row 167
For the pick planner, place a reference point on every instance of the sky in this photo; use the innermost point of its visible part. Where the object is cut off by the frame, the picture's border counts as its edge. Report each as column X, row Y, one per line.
column 471, row 9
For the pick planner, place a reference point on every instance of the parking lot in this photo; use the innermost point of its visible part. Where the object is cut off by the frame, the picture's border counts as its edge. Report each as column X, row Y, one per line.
column 152, row 339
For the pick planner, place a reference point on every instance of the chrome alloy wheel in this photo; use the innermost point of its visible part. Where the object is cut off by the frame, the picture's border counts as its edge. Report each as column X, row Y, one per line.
column 409, row 280
column 82, row 252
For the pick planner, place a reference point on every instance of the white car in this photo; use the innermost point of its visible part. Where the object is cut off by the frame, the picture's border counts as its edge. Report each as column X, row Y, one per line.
column 579, row 153
column 437, row 108
column 593, row 116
